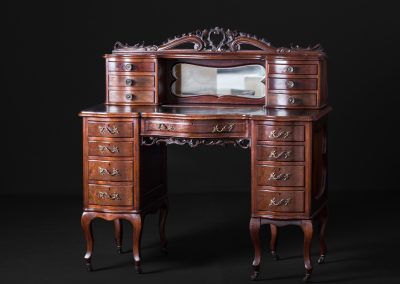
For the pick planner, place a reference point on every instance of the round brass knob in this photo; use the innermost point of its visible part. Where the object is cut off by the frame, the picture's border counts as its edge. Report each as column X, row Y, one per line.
column 128, row 67
column 129, row 82
column 129, row 96
column 290, row 69
column 290, row 84
column 292, row 100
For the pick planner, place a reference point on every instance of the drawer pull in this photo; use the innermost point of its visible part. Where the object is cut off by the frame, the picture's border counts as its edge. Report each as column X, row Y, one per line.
column 129, row 96
column 276, row 134
column 111, row 149
column 104, row 171
column 110, row 129
column 106, row 195
column 284, row 154
column 290, row 69
column 278, row 176
column 290, row 84
column 225, row 128
column 128, row 67
column 129, row 82
column 167, row 127
column 293, row 100
column 283, row 201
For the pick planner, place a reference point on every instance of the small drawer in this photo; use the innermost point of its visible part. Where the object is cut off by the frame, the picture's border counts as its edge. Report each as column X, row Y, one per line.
column 288, row 100
column 110, row 195
column 130, row 96
column 280, row 153
column 280, row 201
column 195, row 128
column 113, row 149
column 110, row 129
column 309, row 69
column 292, row 84
column 111, row 170
column 131, row 66
column 280, row 175
column 130, row 81
column 280, row 132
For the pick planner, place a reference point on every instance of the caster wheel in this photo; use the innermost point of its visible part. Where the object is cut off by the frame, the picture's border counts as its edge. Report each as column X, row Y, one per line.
column 119, row 250
column 254, row 275
column 138, row 269
column 306, row 277
column 321, row 259
column 88, row 266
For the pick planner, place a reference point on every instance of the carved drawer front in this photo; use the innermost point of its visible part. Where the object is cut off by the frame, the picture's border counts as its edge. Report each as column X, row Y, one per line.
column 280, row 201
column 130, row 81
column 110, row 129
column 292, row 84
column 210, row 128
column 111, row 170
column 110, row 149
column 110, row 195
column 291, row 100
column 269, row 175
column 280, row 153
column 280, row 132
column 127, row 96
column 309, row 69
column 131, row 66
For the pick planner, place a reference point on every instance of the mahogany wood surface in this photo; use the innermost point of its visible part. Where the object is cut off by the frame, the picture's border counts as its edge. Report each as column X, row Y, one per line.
column 124, row 139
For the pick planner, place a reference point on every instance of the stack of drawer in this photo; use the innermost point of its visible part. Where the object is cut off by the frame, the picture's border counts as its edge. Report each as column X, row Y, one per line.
column 110, row 171
column 280, row 159
column 131, row 81
column 294, row 84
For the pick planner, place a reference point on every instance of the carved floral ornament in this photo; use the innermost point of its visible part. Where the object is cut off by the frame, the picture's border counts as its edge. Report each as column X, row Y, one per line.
column 215, row 40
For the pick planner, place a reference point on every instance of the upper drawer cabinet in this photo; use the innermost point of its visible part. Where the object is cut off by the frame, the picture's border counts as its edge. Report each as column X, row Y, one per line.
column 130, row 81
column 131, row 66
column 128, row 96
column 280, row 132
column 309, row 69
column 292, row 100
column 292, row 84
column 110, row 129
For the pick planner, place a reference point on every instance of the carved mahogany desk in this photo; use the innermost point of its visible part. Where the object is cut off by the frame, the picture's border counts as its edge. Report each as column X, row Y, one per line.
column 270, row 100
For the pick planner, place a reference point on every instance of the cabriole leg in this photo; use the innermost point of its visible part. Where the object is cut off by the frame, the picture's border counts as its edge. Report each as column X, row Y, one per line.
column 307, row 227
column 272, row 244
column 255, row 224
column 162, row 222
column 137, row 224
column 118, row 234
column 86, row 222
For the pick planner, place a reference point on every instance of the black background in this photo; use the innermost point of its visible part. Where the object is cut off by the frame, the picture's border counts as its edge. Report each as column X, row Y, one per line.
column 55, row 69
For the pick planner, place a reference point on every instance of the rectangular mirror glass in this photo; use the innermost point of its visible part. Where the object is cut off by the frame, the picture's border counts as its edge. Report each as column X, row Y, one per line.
column 242, row 81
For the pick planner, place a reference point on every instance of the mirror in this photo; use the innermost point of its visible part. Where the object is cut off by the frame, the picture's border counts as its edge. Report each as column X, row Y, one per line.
column 243, row 81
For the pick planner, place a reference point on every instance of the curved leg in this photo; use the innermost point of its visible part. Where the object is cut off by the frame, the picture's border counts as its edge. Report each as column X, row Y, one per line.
column 255, row 224
column 307, row 227
column 162, row 221
column 272, row 244
column 322, row 226
column 118, row 234
column 137, row 222
column 86, row 222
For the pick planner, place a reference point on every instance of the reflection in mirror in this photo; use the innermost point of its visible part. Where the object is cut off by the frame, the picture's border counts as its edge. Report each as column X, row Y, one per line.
column 242, row 81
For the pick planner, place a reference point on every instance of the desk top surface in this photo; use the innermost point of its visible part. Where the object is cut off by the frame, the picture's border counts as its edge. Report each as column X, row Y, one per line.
column 206, row 112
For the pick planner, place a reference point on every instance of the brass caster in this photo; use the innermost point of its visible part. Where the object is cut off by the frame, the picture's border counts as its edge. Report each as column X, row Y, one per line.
column 138, row 268
column 256, row 272
column 88, row 265
column 321, row 259
column 307, row 277
column 274, row 255
column 119, row 249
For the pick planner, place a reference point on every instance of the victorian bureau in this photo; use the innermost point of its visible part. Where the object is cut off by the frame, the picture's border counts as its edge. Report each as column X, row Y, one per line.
column 204, row 88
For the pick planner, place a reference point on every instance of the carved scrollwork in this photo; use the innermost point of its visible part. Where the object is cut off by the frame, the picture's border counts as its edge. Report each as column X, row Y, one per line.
column 243, row 143
column 216, row 40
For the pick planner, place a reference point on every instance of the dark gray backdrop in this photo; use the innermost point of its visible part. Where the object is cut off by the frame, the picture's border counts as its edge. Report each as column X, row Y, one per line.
column 55, row 68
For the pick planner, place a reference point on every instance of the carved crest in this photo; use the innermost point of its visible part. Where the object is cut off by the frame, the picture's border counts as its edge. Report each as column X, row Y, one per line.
column 215, row 40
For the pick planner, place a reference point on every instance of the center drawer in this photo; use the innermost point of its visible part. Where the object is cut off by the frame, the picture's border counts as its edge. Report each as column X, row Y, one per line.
column 110, row 170
column 195, row 128
column 280, row 201
column 269, row 175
